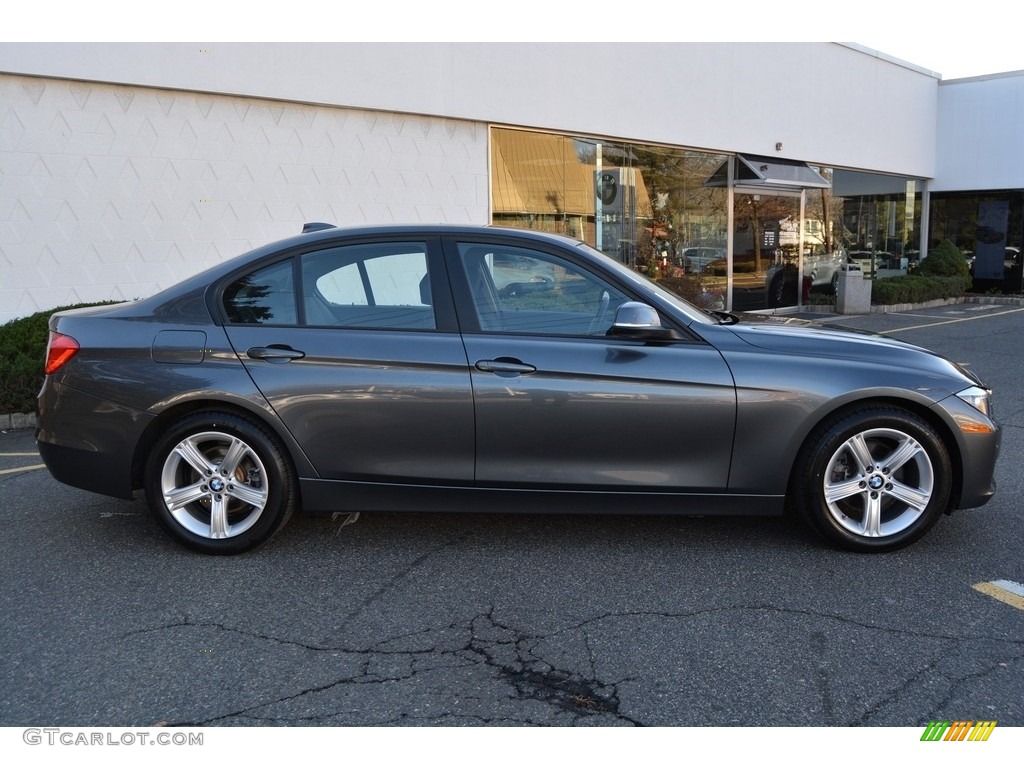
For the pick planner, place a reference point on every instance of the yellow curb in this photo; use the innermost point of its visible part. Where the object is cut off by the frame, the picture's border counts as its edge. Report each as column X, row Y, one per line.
column 1008, row 592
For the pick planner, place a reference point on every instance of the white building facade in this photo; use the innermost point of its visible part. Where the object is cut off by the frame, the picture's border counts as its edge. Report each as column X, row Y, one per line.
column 126, row 167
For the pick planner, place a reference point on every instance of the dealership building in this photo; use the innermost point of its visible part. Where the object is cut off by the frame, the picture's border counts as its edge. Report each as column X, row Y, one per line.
column 758, row 170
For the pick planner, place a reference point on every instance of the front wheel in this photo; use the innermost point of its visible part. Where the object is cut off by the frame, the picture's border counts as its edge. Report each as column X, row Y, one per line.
column 219, row 483
column 874, row 480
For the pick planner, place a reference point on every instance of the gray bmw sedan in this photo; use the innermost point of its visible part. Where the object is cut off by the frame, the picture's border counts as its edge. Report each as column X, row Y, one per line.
column 445, row 368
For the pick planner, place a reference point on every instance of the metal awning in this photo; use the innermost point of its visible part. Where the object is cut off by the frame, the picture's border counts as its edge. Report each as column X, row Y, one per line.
column 768, row 173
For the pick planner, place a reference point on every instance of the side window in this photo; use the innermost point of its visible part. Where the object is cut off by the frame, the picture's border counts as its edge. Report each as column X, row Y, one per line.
column 373, row 285
column 517, row 290
column 265, row 297
column 343, row 285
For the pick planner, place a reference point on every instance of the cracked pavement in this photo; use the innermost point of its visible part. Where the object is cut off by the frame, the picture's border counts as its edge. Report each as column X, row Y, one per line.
column 515, row 620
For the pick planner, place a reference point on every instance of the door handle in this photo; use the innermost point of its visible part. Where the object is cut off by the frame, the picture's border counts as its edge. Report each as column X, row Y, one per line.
column 505, row 365
column 275, row 353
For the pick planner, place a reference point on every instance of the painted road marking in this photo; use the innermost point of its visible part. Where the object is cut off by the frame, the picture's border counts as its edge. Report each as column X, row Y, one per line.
column 1009, row 592
column 20, row 454
column 21, row 469
column 948, row 322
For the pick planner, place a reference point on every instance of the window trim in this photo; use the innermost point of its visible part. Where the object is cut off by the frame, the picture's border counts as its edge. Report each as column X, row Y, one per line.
column 442, row 301
column 465, row 304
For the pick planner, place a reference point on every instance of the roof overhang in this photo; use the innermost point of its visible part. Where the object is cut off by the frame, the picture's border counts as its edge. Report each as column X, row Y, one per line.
column 768, row 174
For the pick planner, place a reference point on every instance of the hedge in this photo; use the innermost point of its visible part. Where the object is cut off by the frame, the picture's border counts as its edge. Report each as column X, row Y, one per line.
column 913, row 289
column 943, row 274
column 22, row 357
column 694, row 289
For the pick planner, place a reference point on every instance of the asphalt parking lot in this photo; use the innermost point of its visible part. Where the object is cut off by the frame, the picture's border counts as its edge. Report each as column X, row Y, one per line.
column 501, row 619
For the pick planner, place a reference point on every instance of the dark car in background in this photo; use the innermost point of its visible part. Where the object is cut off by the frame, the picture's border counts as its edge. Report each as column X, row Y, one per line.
column 462, row 369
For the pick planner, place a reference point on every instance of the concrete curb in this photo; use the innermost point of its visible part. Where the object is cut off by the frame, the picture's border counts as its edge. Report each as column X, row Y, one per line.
column 17, row 421
column 1011, row 300
column 883, row 309
column 1001, row 300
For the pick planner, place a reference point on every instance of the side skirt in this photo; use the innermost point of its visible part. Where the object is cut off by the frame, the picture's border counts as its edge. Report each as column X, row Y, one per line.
column 348, row 496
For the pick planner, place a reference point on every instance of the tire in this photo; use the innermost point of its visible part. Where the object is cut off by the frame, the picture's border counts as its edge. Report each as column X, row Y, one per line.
column 220, row 484
column 777, row 291
column 873, row 480
column 782, row 292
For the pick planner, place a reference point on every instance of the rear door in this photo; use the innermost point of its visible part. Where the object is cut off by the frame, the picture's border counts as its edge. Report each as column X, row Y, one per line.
column 356, row 347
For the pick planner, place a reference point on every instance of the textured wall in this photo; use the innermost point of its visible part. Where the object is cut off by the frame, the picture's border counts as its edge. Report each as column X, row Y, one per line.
column 827, row 103
column 113, row 192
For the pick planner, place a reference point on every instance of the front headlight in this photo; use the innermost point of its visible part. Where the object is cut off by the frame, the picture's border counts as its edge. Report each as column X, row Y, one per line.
column 979, row 398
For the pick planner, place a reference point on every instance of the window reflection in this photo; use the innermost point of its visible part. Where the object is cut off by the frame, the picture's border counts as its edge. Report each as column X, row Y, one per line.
column 664, row 211
column 988, row 228
column 645, row 206
column 880, row 221
column 265, row 297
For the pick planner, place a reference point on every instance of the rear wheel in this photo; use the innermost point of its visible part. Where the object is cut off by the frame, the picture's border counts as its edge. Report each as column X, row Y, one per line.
column 219, row 483
column 874, row 480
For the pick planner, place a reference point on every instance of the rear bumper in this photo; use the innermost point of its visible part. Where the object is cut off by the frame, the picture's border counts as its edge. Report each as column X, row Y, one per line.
column 87, row 442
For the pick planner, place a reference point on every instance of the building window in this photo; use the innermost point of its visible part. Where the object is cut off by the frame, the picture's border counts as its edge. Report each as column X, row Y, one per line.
column 664, row 211
column 645, row 205
column 988, row 228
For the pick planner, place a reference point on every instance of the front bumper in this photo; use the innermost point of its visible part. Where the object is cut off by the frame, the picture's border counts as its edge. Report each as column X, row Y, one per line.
column 979, row 439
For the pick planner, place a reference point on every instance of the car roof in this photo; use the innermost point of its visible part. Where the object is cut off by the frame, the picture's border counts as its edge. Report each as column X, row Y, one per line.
column 324, row 232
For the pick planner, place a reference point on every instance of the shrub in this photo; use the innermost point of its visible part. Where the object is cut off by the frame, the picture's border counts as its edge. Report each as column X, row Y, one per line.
column 945, row 261
column 22, row 357
column 942, row 274
column 913, row 289
column 700, row 292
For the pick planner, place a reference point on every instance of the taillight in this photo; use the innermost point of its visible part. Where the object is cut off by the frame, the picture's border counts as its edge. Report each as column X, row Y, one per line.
column 59, row 350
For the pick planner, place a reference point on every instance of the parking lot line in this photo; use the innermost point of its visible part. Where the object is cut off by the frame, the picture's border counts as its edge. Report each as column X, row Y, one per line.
column 938, row 315
column 947, row 322
column 21, row 469
column 1009, row 592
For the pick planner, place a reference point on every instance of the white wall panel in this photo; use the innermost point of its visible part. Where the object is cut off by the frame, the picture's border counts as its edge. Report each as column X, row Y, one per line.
column 826, row 102
column 980, row 138
column 113, row 192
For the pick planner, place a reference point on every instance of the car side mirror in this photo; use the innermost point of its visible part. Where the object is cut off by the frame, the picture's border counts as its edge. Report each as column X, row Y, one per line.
column 636, row 320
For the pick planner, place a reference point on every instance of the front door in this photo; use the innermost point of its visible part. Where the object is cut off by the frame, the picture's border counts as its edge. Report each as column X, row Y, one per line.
column 560, row 404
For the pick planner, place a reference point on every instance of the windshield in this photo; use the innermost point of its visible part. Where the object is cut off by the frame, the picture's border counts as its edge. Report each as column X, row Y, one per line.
column 694, row 313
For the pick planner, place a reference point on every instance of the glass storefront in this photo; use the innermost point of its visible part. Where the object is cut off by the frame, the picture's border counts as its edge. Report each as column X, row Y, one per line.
column 880, row 223
column 666, row 212
column 988, row 228
column 646, row 206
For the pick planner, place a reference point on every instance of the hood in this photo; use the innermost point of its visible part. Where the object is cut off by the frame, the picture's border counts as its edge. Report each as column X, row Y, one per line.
column 818, row 341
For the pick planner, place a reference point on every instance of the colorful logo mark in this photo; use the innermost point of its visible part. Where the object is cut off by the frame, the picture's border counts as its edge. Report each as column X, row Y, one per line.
column 958, row 730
